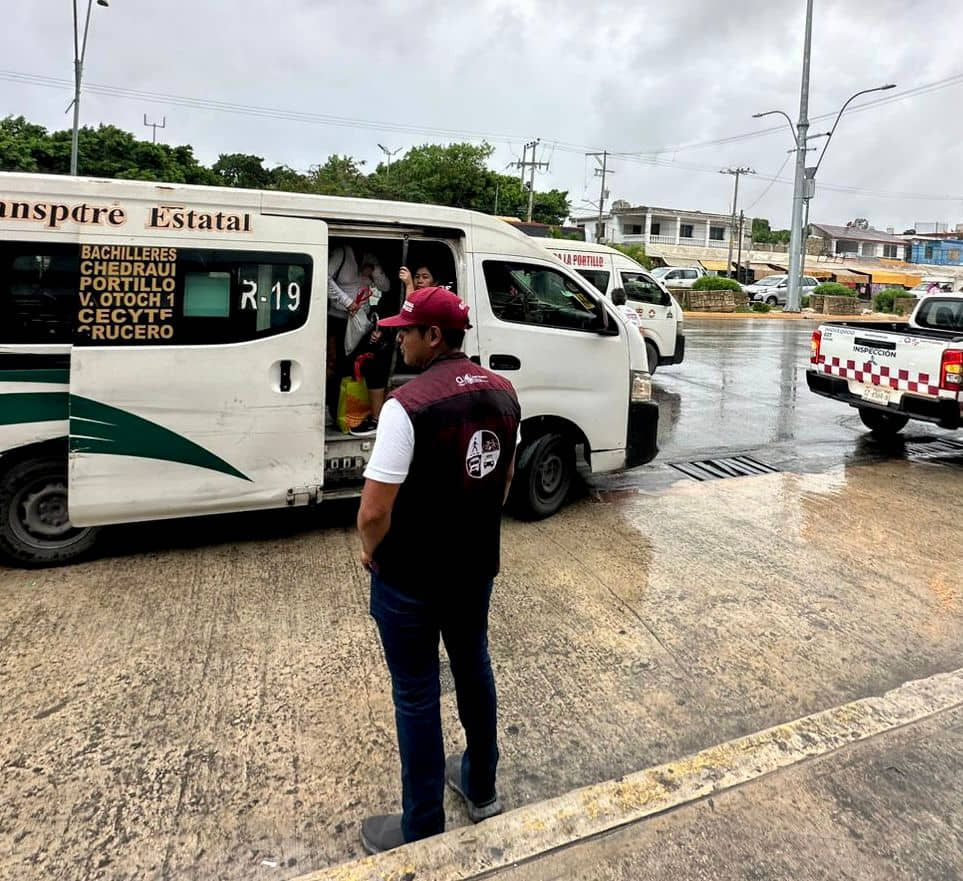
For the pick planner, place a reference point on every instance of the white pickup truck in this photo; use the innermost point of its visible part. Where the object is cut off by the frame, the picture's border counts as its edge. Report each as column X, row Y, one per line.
column 895, row 372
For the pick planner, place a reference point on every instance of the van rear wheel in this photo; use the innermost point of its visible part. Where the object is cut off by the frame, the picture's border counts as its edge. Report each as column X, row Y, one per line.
column 544, row 477
column 882, row 424
column 34, row 527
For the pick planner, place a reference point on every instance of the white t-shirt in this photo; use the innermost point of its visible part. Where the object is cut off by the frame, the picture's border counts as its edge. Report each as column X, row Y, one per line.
column 395, row 445
column 630, row 315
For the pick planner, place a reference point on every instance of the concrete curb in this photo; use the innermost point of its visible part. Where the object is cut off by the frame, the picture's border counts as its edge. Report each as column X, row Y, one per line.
column 536, row 829
column 794, row 316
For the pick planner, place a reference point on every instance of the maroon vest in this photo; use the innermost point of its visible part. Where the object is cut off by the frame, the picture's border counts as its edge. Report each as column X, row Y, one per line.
column 446, row 520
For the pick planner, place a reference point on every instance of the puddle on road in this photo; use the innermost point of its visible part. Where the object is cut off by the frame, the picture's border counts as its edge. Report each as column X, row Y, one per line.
column 875, row 528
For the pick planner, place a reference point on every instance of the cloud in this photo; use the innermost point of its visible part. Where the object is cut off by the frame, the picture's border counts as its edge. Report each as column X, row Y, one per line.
column 614, row 75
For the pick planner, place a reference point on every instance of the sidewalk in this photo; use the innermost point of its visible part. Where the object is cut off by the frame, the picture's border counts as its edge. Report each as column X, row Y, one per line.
column 866, row 790
column 889, row 808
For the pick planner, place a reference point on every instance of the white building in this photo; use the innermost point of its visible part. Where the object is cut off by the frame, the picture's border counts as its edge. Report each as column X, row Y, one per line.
column 648, row 225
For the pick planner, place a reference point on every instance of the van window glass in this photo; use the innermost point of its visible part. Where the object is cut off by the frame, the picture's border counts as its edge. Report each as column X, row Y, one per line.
column 531, row 294
column 207, row 295
column 598, row 278
column 639, row 287
column 94, row 295
column 38, row 292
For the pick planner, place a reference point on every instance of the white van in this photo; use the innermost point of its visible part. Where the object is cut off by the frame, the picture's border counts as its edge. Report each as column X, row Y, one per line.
column 162, row 352
column 607, row 269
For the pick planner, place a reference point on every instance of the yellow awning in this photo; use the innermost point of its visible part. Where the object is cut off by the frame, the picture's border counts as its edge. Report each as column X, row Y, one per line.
column 848, row 275
column 818, row 273
column 887, row 276
column 716, row 265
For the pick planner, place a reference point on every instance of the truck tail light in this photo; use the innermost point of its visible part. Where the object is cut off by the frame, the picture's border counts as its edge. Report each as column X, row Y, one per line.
column 951, row 370
column 814, row 347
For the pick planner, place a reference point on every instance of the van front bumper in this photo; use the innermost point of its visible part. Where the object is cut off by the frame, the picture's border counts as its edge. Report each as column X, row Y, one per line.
column 641, row 443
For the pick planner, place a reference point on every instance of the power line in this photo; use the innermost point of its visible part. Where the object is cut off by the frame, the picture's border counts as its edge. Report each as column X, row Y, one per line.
column 350, row 122
column 645, row 157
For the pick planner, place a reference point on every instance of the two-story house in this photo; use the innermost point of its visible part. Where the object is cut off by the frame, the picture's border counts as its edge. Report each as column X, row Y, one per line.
column 848, row 241
column 647, row 225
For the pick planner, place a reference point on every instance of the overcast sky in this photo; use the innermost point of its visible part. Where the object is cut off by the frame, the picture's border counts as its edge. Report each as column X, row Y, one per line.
column 621, row 76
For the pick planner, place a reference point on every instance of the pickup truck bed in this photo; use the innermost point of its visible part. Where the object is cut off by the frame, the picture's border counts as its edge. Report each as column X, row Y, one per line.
column 890, row 372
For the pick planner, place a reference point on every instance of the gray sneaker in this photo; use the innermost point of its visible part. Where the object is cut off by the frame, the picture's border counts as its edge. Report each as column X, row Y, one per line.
column 382, row 833
column 476, row 812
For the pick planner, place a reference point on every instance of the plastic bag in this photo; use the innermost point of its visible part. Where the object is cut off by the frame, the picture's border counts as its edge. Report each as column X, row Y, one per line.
column 353, row 403
column 358, row 327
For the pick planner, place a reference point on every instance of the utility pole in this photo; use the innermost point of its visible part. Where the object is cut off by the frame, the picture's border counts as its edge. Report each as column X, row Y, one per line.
column 389, row 154
column 531, row 164
column 155, row 126
column 742, row 218
column 793, row 299
column 602, row 171
column 736, row 172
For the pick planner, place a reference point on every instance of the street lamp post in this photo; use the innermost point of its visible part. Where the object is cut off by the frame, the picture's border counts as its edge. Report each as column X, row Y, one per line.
column 80, row 52
column 805, row 179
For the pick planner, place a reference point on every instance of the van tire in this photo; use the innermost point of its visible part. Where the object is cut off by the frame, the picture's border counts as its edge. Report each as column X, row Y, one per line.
column 34, row 529
column 544, row 477
column 652, row 356
column 882, row 424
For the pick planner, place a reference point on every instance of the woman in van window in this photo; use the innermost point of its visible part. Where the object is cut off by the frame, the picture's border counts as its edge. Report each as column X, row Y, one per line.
column 423, row 278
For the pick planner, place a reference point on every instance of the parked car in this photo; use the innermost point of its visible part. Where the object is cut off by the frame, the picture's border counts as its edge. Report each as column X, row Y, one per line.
column 678, row 276
column 774, row 289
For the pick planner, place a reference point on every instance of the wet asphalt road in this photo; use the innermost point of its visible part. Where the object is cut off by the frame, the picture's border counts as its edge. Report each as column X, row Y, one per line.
column 208, row 699
column 742, row 391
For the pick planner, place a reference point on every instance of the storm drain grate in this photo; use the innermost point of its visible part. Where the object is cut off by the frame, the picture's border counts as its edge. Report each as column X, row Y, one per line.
column 933, row 449
column 719, row 469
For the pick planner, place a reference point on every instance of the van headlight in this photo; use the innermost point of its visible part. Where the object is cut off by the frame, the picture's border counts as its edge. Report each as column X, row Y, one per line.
column 641, row 387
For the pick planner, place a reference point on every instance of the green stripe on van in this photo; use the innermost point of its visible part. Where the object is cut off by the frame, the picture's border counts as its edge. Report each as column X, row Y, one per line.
column 17, row 407
column 98, row 428
column 61, row 377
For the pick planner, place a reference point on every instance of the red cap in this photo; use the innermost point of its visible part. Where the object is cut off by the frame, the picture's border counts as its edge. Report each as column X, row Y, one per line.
column 432, row 307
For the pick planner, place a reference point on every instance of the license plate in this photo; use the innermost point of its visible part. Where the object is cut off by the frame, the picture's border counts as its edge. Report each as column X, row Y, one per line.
column 876, row 395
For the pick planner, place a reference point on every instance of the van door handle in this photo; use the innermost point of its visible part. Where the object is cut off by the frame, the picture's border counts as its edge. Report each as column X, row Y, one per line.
column 285, row 383
column 504, row 362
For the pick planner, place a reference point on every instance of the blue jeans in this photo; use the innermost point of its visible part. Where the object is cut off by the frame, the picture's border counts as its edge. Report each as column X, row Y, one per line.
column 410, row 627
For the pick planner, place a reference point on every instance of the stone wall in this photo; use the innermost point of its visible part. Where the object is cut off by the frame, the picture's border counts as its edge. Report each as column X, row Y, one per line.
column 823, row 305
column 711, row 301
column 904, row 305
column 840, row 305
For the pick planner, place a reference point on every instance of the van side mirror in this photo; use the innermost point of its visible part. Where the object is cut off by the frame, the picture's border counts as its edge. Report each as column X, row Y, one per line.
column 605, row 326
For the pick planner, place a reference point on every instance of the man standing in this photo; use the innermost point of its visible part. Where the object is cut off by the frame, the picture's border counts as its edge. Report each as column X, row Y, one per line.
column 430, row 526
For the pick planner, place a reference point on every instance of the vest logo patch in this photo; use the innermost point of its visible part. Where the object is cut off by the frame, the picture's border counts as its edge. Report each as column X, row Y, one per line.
column 483, row 452
column 470, row 379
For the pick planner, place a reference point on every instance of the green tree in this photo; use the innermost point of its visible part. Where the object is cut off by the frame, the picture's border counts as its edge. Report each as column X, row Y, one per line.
column 23, row 146
column 242, row 170
column 339, row 176
column 636, row 253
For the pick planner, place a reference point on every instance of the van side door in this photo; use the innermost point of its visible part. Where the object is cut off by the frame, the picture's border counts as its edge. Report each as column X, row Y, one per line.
column 197, row 373
column 554, row 339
